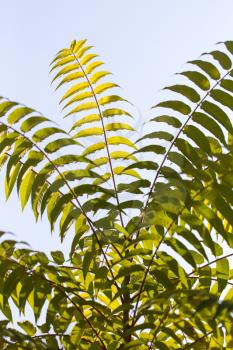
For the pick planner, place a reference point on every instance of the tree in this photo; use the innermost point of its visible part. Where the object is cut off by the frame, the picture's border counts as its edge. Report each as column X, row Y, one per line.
column 151, row 219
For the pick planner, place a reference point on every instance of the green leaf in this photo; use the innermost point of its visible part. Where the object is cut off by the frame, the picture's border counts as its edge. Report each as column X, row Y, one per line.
column 58, row 144
column 27, row 327
column 222, row 271
column 222, row 97
column 25, row 187
column 208, row 68
column 198, row 137
column 210, row 125
column 89, row 119
column 152, row 148
column 18, row 114
column 186, row 91
column 168, row 120
column 42, row 134
column 31, row 122
column 6, row 106
column 218, row 114
column 222, row 58
column 149, row 165
column 58, row 257
column 227, row 84
column 197, row 78
column 93, row 148
column 178, row 106
column 82, row 107
column 164, row 135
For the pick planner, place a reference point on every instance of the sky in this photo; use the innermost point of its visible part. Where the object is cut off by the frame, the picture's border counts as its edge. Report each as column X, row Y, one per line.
column 142, row 42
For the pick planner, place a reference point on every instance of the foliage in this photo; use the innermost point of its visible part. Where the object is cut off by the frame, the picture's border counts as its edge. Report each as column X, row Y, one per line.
column 149, row 264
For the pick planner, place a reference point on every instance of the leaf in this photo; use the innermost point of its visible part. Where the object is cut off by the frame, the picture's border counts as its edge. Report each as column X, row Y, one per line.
column 208, row 68
column 198, row 137
column 122, row 170
column 210, row 125
column 149, row 165
column 79, row 97
column 27, row 327
column 75, row 89
column 120, row 140
column 82, row 107
column 222, row 58
column 218, row 114
column 42, row 134
column 6, row 106
column 94, row 148
column 111, row 112
column 168, row 120
column 164, row 135
column 58, row 257
column 89, row 119
column 58, row 144
column 110, row 99
column 222, row 97
column 92, row 66
column 178, row 106
column 118, row 126
column 11, row 182
column 65, row 70
column 222, row 271
column 98, row 75
column 103, row 87
column 18, row 114
column 25, row 188
column 227, row 84
column 186, row 91
column 88, row 132
column 70, row 77
column 197, row 78
column 62, row 62
column 153, row 148
column 122, row 155
column 31, row 122
column 128, row 270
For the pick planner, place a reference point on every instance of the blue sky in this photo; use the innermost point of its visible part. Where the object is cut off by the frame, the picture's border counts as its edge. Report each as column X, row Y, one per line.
column 142, row 42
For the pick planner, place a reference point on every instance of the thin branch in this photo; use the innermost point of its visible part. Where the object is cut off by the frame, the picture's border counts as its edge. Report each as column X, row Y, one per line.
column 210, row 263
column 85, row 318
column 190, row 346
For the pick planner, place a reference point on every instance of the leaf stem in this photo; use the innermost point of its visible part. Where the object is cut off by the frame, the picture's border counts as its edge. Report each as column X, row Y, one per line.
column 105, row 135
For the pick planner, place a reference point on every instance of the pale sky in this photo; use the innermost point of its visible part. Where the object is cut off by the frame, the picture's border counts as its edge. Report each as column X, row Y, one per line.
column 142, row 42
